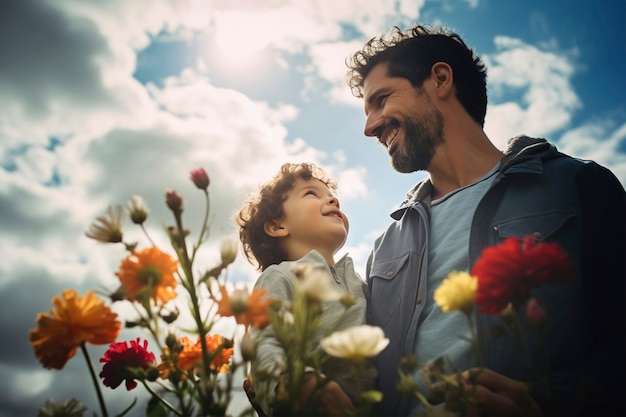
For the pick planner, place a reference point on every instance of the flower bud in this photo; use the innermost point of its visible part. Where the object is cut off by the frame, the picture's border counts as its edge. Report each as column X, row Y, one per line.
column 347, row 300
column 119, row 294
column 228, row 250
column 200, row 178
column 407, row 384
column 248, row 347
column 172, row 342
column 536, row 315
column 137, row 209
column 174, row 201
column 239, row 301
column 170, row 317
column 152, row 373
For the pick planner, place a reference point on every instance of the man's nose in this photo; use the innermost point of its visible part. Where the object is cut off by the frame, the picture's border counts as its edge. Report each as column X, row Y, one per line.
column 373, row 122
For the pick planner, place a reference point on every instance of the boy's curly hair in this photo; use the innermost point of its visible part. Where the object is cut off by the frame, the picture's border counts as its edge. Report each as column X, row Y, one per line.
column 261, row 249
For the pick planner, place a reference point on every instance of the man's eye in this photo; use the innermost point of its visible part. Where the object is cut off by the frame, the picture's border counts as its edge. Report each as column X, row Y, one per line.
column 381, row 100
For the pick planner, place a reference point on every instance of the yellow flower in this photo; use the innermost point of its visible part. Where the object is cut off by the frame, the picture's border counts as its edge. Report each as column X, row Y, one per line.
column 355, row 343
column 456, row 292
column 73, row 321
column 248, row 309
column 108, row 228
column 149, row 272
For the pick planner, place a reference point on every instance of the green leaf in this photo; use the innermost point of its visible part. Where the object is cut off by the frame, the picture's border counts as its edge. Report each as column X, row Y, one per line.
column 155, row 408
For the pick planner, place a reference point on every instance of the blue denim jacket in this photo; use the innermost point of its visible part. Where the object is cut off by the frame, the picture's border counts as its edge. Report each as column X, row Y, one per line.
column 541, row 192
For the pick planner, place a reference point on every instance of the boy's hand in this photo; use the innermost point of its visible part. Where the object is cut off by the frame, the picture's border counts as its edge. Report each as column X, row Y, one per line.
column 249, row 390
column 334, row 402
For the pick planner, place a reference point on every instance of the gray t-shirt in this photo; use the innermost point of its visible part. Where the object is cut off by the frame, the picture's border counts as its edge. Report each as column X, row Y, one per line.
column 439, row 333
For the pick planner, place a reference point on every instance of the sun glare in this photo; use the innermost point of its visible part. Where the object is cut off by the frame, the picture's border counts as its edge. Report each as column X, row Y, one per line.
column 237, row 41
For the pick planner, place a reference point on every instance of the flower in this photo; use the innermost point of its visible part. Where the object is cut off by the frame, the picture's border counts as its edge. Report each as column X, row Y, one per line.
column 355, row 343
column 248, row 347
column 456, row 292
column 151, row 272
column 228, row 250
column 248, row 309
column 174, row 201
column 200, row 178
column 191, row 355
column 121, row 362
column 138, row 209
column 73, row 321
column 108, row 228
column 68, row 408
column 314, row 284
column 536, row 315
column 507, row 272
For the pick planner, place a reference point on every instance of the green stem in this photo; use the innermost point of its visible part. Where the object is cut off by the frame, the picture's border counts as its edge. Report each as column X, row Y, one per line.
column 94, row 378
column 186, row 264
column 205, row 226
column 145, row 232
column 161, row 399
column 471, row 319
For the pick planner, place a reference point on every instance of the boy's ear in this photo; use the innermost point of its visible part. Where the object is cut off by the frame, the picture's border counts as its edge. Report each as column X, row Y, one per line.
column 274, row 228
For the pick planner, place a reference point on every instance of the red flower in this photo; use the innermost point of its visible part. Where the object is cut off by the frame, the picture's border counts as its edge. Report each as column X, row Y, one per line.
column 507, row 272
column 122, row 362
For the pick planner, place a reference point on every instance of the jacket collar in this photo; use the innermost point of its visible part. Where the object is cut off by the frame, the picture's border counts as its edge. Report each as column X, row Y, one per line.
column 523, row 154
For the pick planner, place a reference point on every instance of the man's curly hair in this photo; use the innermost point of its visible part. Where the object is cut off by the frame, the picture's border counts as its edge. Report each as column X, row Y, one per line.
column 411, row 54
column 261, row 249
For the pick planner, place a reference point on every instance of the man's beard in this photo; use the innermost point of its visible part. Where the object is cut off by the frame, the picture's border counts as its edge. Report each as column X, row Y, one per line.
column 421, row 139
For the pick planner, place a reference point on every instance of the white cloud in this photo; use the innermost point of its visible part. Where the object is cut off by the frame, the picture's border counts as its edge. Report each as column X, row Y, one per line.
column 542, row 79
column 603, row 142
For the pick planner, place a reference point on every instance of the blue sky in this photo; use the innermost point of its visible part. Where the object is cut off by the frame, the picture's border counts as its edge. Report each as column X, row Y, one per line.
column 105, row 99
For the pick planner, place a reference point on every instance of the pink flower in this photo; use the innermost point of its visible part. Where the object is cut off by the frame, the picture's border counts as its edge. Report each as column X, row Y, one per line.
column 123, row 362
column 507, row 272
column 536, row 315
column 200, row 178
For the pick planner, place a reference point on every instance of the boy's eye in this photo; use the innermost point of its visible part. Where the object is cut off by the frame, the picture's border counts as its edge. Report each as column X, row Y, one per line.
column 311, row 192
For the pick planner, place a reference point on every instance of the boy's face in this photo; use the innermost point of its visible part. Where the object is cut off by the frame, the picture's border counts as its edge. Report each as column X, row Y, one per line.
column 312, row 217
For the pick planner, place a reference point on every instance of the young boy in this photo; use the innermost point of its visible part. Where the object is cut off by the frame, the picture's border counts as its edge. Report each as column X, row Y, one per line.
column 296, row 219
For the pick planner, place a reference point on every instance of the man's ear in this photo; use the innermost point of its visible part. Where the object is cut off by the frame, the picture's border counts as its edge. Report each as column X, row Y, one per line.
column 442, row 74
column 275, row 228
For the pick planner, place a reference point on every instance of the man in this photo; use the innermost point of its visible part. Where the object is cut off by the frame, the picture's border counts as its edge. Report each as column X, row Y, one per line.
column 425, row 101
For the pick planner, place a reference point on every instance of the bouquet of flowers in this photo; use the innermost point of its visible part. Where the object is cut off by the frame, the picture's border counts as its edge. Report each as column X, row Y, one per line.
column 192, row 371
column 499, row 285
column 187, row 368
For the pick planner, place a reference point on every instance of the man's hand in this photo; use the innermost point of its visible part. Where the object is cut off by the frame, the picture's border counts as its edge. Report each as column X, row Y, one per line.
column 333, row 402
column 498, row 395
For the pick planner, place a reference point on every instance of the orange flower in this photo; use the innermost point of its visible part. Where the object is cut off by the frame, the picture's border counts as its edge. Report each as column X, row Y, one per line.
column 248, row 309
column 149, row 272
column 191, row 354
column 73, row 321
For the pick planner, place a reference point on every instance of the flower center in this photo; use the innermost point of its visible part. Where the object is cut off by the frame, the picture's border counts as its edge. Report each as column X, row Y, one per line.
column 150, row 275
